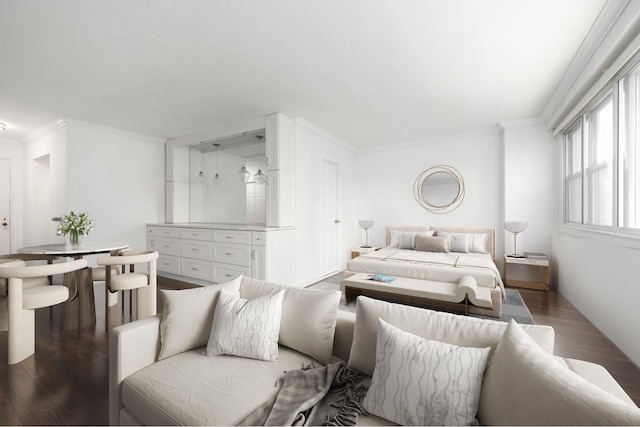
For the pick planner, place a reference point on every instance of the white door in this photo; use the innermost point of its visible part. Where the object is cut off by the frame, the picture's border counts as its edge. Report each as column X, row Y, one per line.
column 331, row 218
column 5, row 206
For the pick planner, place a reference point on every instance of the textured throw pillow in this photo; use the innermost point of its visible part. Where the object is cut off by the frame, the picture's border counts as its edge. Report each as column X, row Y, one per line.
column 187, row 315
column 525, row 385
column 432, row 244
column 422, row 382
column 463, row 331
column 308, row 316
column 459, row 241
column 478, row 243
column 246, row 328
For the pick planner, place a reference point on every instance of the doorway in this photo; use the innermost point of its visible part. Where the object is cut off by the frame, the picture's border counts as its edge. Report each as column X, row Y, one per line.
column 5, row 206
column 331, row 216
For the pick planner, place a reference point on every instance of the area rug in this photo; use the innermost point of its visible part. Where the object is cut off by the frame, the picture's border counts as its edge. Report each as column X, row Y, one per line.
column 512, row 308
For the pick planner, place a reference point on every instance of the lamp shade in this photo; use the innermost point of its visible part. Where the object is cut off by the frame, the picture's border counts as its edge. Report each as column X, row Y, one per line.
column 515, row 226
column 365, row 223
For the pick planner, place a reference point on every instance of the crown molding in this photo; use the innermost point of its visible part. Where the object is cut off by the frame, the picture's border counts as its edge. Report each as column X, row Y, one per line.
column 531, row 121
column 102, row 128
column 43, row 130
column 301, row 123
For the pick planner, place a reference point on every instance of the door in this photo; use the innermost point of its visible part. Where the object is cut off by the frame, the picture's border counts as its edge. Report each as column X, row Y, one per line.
column 5, row 206
column 331, row 217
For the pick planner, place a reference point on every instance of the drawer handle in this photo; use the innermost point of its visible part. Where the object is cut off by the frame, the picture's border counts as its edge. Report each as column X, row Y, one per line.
column 166, row 246
column 228, row 253
column 195, row 250
column 166, row 263
column 194, row 234
column 229, row 237
column 229, row 275
column 194, row 269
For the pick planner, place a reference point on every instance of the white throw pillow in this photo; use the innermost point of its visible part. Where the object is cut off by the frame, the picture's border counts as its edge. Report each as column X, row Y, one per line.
column 459, row 241
column 408, row 238
column 453, row 329
column 246, row 328
column 187, row 315
column 308, row 316
column 422, row 382
column 524, row 384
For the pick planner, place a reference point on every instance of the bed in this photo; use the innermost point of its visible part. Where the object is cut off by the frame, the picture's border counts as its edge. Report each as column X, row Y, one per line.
column 400, row 258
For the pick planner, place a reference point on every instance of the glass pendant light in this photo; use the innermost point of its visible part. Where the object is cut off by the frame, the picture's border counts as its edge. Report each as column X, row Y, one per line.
column 217, row 178
column 259, row 176
column 244, row 173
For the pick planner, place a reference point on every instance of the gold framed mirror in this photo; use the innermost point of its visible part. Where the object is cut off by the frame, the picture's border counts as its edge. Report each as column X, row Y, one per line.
column 439, row 189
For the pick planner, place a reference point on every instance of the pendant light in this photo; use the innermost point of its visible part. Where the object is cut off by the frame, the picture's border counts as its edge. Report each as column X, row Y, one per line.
column 244, row 173
column 217, row 178
column 259, row 176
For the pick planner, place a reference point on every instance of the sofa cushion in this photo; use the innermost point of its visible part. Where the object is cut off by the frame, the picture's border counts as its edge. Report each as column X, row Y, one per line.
column 453, row 329
column 524, row 384
column 246, row 328
column 192, row 389
column 308, row 316
column 423, row 382
column 187, row 316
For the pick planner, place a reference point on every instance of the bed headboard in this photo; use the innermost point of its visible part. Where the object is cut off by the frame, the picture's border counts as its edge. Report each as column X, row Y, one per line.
column 491, row 231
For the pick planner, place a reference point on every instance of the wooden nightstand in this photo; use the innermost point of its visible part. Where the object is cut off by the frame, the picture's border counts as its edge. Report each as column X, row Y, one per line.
column 541, row 263
column 356, row 252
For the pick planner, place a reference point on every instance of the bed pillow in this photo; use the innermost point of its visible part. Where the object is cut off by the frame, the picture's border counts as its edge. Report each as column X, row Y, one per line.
column 422, row 382
column 187, row 316
column 246, row 328
column 478, row 243
column 432, row 244
column 453, row 329
column 408, row 238
column 308, row 322
column 459, row 241
column 524, row 384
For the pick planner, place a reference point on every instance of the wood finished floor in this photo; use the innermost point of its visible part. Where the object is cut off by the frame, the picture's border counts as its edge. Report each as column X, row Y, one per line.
column 66, row 381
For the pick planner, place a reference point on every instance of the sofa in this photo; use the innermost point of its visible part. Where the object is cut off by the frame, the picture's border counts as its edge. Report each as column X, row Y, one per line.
column 196, row 363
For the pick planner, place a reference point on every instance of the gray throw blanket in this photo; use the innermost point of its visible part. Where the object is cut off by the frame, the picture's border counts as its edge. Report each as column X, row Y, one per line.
column 327, row 395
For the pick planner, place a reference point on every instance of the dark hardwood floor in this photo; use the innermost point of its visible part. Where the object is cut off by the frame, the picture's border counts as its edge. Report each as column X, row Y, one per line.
column 66, row 381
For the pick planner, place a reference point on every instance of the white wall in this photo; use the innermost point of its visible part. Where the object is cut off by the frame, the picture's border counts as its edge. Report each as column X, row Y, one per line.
column 386, row 177
column 312, row 147
column 117, row 178
column 12, row 150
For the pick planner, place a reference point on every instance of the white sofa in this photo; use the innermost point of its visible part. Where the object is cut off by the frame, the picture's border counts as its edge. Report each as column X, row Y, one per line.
column 151, row 385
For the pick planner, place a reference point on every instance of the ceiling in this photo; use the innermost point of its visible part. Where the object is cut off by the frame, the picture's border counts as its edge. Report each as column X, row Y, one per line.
column 371, row 72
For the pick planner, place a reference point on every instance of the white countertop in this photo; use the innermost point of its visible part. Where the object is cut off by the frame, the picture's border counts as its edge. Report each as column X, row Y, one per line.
column 221, row 226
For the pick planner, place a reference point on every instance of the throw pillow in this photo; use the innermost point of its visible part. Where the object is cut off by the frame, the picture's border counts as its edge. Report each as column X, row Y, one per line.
column 525, row 385
column 432, row 244
column 453, row 329
column 422, row 382
column 246, row 328
column 408, row 238
column 478, row 243
column 459, row 241
column 308, row 322
column 187, row 315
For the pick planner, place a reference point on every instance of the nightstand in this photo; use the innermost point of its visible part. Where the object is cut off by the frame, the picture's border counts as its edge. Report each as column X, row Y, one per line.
column 356, row 252
column 540, row 263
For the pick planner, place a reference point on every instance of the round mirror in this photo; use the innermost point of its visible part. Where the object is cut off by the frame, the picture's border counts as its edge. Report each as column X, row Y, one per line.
column 439, row 189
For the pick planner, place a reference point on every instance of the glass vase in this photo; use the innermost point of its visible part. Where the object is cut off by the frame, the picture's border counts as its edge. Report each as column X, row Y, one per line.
column 75, row 239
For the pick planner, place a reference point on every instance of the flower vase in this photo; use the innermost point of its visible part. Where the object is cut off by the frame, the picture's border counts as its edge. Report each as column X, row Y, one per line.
column 75, row 239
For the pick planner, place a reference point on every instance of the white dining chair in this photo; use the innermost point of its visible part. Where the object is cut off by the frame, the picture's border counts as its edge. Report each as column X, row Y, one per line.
column 22, row 302
column 144, row 283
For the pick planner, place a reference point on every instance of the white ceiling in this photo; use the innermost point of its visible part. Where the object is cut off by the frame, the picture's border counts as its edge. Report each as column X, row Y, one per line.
column 368, row 71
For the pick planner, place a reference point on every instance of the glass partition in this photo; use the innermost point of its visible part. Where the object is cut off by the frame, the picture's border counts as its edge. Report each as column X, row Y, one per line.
column 226, row 182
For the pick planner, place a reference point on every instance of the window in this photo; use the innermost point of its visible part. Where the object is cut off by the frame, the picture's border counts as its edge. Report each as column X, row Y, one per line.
column 602, row 159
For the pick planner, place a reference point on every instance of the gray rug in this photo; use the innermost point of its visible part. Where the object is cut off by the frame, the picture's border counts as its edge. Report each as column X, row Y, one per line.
column 512, row 308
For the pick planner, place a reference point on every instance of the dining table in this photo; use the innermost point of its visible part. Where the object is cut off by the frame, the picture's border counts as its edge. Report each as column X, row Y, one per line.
column 80, row 311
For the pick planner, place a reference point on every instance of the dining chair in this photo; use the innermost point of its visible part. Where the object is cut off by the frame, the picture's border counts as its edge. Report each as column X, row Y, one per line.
column 144, row 283
column 22, row 302
column 27, row 283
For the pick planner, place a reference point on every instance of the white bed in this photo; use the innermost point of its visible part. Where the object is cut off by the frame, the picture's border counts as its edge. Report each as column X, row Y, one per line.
column 447, row 267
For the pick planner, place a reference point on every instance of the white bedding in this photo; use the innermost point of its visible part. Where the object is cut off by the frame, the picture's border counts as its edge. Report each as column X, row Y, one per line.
column 443, row 267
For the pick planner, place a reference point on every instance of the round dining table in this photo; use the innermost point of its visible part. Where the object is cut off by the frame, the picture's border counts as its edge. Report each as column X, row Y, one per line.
column 80, row 312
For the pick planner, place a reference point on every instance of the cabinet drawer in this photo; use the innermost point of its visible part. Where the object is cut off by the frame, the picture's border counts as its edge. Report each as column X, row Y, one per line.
column 196, row 268
column 259, row 238
column 168, row 232
column 169, row 264
column 196, row 249
column 167, row 246
column 151, row 243
column 224, row 272
column 232, row 254
column 232, row 236
column 195, row 234
column 151, row 230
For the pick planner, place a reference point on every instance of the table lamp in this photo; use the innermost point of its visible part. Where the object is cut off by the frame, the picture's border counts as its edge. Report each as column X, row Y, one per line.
column 366, row 224
column 515, row 227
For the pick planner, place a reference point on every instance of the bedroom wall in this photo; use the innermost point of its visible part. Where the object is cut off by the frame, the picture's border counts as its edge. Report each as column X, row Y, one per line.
column 386, row 176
